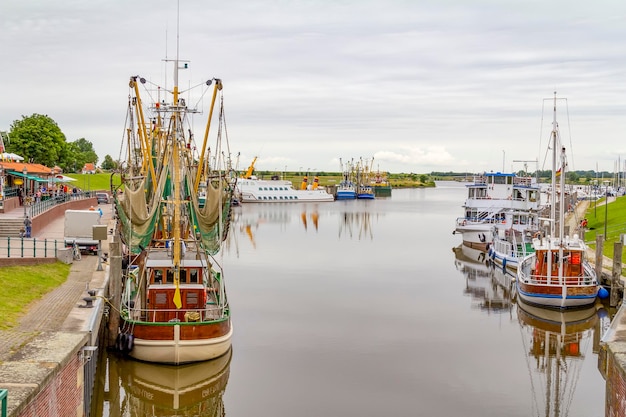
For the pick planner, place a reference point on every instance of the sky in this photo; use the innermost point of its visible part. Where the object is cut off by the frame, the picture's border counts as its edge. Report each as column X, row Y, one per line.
column 410, row 86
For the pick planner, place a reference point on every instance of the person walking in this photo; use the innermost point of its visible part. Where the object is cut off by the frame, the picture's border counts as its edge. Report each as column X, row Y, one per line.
column 27, row 225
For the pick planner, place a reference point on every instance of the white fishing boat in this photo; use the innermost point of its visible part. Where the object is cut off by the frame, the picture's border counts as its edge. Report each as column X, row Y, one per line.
column 174, row 307
column 250, row 189
column 494, row 200
column 557, row 274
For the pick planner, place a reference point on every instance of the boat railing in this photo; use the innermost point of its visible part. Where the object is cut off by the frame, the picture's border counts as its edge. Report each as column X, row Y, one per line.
column 463, row 221
column 551, row 280
column 184, row 315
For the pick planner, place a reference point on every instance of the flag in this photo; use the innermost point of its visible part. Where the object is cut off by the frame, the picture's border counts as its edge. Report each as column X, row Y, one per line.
column 177, row 301
column 558, row 172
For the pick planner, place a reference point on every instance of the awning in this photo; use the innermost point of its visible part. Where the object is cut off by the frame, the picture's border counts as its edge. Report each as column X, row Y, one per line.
column 63, row 178
column 29, row 177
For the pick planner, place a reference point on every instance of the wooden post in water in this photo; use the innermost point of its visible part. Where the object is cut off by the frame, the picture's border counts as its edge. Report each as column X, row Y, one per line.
column 599, row 256
column 616, row 274
column 115, row 288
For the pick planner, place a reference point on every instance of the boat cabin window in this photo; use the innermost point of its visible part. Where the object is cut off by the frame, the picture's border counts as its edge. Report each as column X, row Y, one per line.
column 502, row 180
column 157, row 276
column 477, row 193
column 193, row 276
column 170, row 276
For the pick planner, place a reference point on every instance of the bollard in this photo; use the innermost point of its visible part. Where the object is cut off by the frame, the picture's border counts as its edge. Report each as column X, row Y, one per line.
column 616, row 273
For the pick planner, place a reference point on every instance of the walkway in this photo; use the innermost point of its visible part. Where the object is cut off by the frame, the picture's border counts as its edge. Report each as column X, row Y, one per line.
column 49, row 314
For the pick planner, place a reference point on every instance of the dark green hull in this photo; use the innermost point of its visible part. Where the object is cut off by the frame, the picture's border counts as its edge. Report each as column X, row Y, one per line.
column 382, row 190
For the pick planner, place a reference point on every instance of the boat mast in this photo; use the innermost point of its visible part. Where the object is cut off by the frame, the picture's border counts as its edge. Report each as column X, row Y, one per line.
column 176, row 174
column 553, row 193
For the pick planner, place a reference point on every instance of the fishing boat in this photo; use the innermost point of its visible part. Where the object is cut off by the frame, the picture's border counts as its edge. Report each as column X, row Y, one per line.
column 174, row 307
column 364, row 190
column 556, row 344
column 381, row 185
column 346, row 189
column 494, row 200
column 557, row 274
column 250, row 189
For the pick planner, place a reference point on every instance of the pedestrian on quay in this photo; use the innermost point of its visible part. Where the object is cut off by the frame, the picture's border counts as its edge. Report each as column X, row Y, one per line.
column 27, row 225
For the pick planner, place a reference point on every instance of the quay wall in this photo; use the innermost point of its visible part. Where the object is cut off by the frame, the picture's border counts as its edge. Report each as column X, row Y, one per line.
column 612, row 365
column 54, row 373
column 61, row 392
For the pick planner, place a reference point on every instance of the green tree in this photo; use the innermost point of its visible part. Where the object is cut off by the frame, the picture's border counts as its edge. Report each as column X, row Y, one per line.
column 108, row 163
column 38, row 139
column 86, row 148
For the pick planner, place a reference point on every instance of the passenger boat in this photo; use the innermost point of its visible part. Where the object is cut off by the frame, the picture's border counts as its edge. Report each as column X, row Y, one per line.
column 174, row 307
column 494, row 200
column 250, row 189
column 513, row 242
column 555, row 344
column 557, row 274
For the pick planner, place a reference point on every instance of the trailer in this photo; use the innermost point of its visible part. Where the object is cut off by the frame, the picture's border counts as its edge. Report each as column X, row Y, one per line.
column 78, row 230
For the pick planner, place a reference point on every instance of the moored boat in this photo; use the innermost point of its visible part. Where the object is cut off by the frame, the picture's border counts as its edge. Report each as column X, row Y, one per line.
column 510, row 245
column 174, row 307
column 490, row 197
column 381, row 185
column 346, row 189
column 250, row 189
column 557, row 274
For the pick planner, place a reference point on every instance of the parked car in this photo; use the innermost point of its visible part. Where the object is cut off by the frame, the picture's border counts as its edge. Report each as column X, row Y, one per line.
column 102, row 198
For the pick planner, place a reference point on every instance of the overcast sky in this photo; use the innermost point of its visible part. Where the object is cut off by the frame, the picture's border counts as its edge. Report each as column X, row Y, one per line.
column 420, row 86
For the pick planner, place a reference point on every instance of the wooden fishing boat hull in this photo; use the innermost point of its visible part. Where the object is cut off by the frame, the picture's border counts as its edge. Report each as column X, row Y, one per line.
column 557, row 296
column 179, row 343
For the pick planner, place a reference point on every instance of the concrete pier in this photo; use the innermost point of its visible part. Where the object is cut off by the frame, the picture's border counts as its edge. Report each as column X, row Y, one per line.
column 45, row 359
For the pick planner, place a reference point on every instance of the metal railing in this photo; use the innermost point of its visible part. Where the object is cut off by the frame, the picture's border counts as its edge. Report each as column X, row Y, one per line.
column 150, row 315
column 29, row 247
column 3, row 401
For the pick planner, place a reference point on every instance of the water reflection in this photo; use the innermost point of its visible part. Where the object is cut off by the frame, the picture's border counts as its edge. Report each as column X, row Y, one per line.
column 556, row 343
column 144, row 389
column 356, row 225
column 485, row 290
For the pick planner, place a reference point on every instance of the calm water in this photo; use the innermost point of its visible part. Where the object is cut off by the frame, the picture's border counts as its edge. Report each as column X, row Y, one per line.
column 364, row 308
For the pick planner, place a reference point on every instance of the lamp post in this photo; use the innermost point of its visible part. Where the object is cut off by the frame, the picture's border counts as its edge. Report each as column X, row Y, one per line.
column 24, row 171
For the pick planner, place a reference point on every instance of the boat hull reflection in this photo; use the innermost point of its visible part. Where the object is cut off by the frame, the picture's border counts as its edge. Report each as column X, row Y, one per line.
column 183, row 390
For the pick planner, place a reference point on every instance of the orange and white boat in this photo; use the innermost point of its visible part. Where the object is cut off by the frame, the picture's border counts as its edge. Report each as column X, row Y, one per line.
column 557, row 274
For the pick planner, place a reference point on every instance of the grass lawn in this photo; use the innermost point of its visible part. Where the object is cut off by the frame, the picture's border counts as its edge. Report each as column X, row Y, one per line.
column 94, row 182
column 613, row 216
column 22, row 285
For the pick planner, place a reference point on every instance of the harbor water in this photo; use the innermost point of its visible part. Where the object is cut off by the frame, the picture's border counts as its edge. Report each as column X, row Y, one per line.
column 370, row 308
